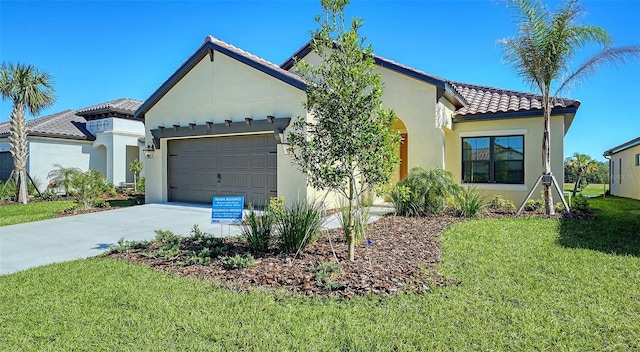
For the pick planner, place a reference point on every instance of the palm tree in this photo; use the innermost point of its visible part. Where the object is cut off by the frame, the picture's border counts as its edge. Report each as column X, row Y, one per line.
column 581, row 163
column 543, row 50
column 61, row 176
column 28, row 89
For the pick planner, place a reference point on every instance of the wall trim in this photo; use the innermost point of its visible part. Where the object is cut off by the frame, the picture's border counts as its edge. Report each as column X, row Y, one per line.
column 498, row 186
column 491, row 133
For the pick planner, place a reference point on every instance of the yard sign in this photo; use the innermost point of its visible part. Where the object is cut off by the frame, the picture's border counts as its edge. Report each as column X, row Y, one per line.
column 227, row 210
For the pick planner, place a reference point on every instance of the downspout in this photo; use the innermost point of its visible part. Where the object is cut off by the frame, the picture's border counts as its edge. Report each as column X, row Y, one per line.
column 608, row 157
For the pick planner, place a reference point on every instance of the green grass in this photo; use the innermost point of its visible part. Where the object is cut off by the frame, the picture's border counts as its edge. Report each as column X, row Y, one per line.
column 524, row 284
column 590, row 190
column 18, row 213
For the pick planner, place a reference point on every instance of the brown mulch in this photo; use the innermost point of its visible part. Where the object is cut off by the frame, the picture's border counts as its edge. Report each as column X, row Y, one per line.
column 400, row 258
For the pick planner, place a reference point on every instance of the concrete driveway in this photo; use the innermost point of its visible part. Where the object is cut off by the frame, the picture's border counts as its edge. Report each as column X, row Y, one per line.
column 43, row 242
column 23, row 246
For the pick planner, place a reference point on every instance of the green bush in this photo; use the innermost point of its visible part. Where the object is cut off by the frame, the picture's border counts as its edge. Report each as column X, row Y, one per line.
column 580, row 202
column 60, row 177
column 126, row 246
column 7, row 190
column 215, row 246
column 299, row 226
column 534, row 204
column 500, row 203
column 257, row 229
column 558, row 207
column 50, row 195
column 238, row 261
column 360, row 221
column 140, row 184
column 276, row 207
column 424, row 192
column 468, row 202
column 169, row 244
column 87, row 187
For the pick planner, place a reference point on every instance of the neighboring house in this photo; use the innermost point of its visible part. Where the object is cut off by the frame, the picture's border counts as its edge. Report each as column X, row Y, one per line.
column 624, row 169
column 104, row 137
column 219, row 121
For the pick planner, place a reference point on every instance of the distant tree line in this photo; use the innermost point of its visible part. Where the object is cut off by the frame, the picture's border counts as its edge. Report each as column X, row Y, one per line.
column 600, row 175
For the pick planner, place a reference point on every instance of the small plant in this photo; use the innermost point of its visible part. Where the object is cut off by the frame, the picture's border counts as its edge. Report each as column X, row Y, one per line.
column 581, row 203
column 359, row 218
column 136, row 167
column 325, row 273
column 500, row 203
column 558, row 207
column 49, row 195
column 299, row 226
column 87, row 187
column 126, row 246
column 468, row 202
column 140, row 184
column 215, row 246
column 201, row 257
column 111, row 189
column 238, row 261
column 256, row 229
column 101, row 203
column 61, row 177
column 169, row 244
column 423, row 192
column 276, row 207
column 534, row 204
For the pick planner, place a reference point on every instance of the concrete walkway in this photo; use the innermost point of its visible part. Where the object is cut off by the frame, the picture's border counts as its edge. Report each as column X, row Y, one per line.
column 23, row 246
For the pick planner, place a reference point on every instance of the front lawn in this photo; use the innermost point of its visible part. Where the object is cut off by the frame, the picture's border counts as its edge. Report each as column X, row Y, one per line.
column 591, row 189
column 523, row 284
column 18, row 213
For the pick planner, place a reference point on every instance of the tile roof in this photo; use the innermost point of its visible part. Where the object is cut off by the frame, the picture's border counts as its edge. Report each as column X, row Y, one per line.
column 124, row 105
column 475, row 100
column 214, row 44
column 489, row 100
column 71, row 124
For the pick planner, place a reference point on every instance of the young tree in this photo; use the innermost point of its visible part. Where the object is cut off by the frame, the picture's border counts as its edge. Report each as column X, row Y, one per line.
column 349, row 146
column 136, row 167
column 543, row 50
column 61, row 176
column 28, row 89
column 582, row 164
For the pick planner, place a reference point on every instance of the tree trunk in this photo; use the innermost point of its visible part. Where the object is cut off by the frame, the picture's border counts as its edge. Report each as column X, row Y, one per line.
column 546, row 154
column 351, row 235
column 18, row 144
column 577, row 184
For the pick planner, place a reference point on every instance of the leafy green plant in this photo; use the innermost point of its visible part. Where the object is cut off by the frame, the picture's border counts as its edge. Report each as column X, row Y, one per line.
column 424, row 192
column 214, row 245
column 136, row 167
column 169, row 244
column 534, row 204
column 238, row 261
column 468, row 202
column 141, row 184
column 558, row 207
column 580, row 202
column 359, row 219
column 49, row 195
column 299, row 226
column 87, row 187
column 325, row 274
column 126, row 246
column 497, row 202
column 61, row 177
column 257, row 229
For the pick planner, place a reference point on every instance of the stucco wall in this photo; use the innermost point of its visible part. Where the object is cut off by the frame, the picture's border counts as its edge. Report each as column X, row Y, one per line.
column 224, row 89
column 45, row 152
column 625, row 181
column 531, row 128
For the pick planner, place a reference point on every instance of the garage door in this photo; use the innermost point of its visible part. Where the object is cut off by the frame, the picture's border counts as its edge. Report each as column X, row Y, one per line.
column 6, row 165
column 201, row 168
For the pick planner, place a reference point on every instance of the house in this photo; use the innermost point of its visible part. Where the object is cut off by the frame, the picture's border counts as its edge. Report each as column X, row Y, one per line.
column 104, row 137
column 624, row 169
column 219, row 125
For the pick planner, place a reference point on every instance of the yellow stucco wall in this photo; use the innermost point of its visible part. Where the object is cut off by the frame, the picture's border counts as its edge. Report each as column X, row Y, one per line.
column 531, row 128
column 224, row 89
column 625, row 181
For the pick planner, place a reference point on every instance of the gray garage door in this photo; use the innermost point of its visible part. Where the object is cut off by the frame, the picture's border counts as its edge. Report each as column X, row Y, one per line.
column 6, row 165
column 201, row 168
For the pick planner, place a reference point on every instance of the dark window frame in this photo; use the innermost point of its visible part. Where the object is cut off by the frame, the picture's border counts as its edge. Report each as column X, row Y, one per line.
column 492, row 161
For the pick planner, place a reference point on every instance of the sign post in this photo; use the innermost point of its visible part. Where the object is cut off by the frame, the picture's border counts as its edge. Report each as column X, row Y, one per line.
column 227, row 210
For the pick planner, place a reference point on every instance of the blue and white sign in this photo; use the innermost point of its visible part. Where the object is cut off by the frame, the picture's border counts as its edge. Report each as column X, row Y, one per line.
column 227, row 210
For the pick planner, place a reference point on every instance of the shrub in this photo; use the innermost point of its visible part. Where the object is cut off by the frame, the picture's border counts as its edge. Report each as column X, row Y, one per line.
column 7, row 190
column 61, row 177
column 256, row 229
column 50, row 195
column 299, row 226
column 424, row 192
column 276, row 207
column 169, row 244
column 238, row 261
column 558, row 207
column 500, row 203
column 581, row 203
column 534, row 204
column 140, row 184
column 111, row 189
column 87, row 187
column 468, row 202
column 216, row 246
column 325, row 274
column 126, row 246
column 360, row 220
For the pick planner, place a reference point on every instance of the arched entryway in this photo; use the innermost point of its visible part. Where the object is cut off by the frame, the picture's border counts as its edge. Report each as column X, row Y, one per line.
column 403, row 152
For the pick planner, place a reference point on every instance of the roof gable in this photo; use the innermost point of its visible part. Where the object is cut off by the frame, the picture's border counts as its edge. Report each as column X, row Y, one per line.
column 210, row 45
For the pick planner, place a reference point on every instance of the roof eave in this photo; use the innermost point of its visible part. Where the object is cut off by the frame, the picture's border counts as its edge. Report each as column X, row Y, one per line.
column 513, row 114
column 622, row 147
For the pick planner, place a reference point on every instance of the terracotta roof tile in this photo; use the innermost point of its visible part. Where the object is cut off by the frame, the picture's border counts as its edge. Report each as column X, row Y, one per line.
column 121, row 105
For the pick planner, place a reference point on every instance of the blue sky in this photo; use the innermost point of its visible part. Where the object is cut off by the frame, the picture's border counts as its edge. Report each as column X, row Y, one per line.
column 103, row 50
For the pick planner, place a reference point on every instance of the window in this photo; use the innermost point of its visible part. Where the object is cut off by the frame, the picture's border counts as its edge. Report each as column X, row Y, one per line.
column 620, row 170
column 493, row 159
column 637, row 159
